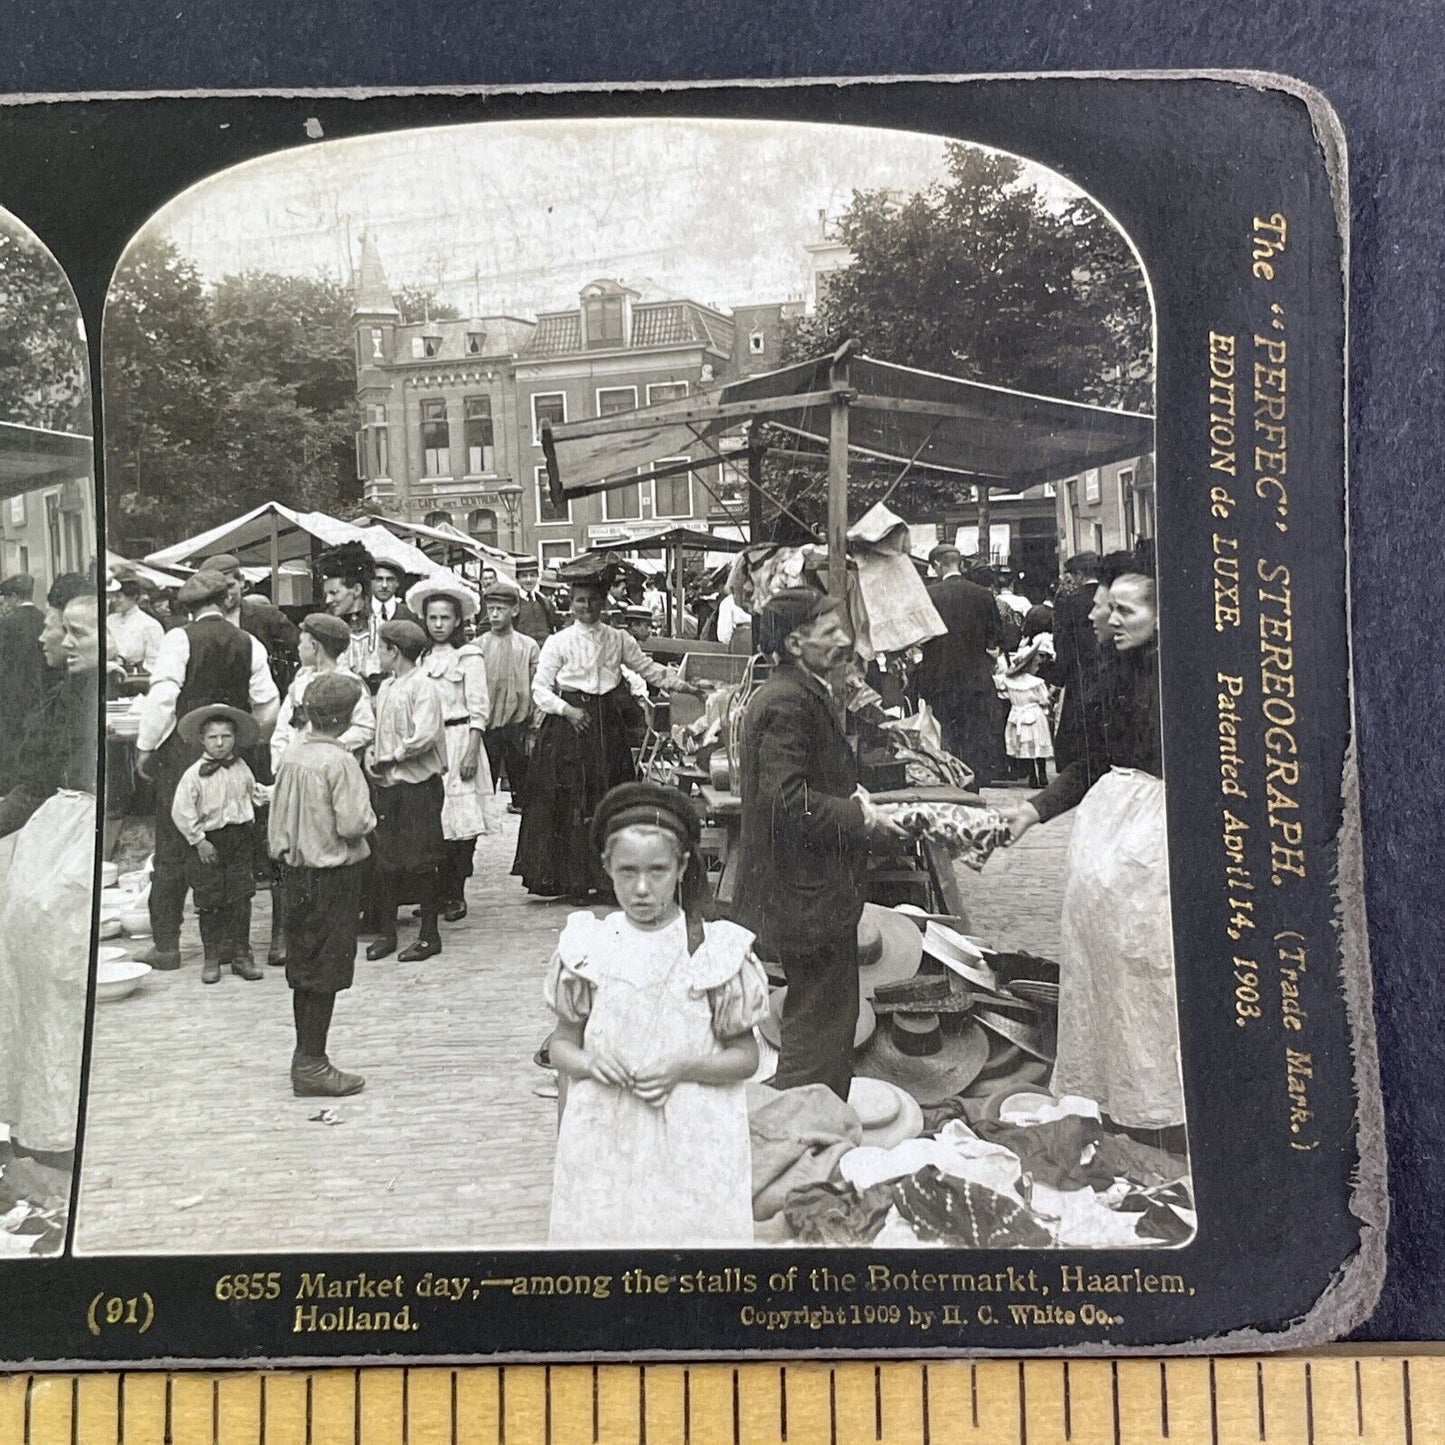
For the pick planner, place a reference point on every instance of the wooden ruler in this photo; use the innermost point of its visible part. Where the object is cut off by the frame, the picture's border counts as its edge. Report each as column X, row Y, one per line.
column 1326, row 1399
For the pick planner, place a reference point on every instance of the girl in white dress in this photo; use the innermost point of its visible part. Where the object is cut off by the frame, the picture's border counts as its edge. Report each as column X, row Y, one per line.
column 459, row 670
column 1027, row 736
column 655, row 1039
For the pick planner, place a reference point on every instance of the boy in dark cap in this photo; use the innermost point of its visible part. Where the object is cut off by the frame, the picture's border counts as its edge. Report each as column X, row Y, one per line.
column 320, row 816
column 324, row 640
column 511, row 658
column 405, row 764
column 214, row 810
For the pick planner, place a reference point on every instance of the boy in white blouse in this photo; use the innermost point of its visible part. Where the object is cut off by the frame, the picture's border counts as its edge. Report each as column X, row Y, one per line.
column 214, row 809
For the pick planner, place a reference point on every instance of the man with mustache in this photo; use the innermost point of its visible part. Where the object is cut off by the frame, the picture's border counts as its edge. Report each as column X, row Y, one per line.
column 806, row 832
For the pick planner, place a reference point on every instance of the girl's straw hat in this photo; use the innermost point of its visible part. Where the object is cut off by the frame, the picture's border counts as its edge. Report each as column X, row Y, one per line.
column 1025, row 657
column 428, row 588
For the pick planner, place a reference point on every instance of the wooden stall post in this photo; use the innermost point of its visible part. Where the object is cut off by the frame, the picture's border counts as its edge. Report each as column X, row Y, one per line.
column 838, row 478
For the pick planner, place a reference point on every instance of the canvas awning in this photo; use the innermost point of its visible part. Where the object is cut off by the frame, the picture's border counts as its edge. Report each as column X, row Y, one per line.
column 442, row 538
column 32, row 456
column 1005, row 439
column 115, row 562
column 272, row 533
column 686, row 539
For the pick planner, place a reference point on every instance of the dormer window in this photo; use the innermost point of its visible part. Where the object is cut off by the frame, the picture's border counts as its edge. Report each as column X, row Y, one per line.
column 604, row 322
column 476, row 340
column 431, row 345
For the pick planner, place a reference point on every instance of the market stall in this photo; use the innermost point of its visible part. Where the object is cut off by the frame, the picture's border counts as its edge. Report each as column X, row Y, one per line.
column 273, row 534
column 954, row 1027
column 990, row 438
column 675, row 543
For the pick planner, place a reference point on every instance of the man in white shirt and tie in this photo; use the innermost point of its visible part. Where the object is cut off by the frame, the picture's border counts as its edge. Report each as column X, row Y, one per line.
column 536, row 617
column 387, row 581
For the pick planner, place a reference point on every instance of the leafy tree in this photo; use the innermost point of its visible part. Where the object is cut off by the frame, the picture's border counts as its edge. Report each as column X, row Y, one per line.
column 162, row 396
column 983, row 277
column 217, row 402
column 43, row 367
column 986, row 278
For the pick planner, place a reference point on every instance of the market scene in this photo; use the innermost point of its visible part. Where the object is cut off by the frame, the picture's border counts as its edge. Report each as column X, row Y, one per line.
column 698, row 782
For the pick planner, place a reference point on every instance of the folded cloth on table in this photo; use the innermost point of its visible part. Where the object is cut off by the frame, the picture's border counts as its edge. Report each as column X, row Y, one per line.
column 957, row 1151
column 958, row 1211
column 918, row 744
column 968, row 834
column 1057, row 1154
column 798, row 1137
column 826, row 1212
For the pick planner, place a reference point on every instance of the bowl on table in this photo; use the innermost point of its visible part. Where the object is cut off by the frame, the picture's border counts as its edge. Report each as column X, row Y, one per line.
column 118, row 978
column 109, row 926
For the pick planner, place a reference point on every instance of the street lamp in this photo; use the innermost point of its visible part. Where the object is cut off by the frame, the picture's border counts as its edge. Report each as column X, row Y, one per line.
column 509, row 494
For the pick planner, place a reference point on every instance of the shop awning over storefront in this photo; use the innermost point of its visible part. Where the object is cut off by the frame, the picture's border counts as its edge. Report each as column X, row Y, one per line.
column 32, row 456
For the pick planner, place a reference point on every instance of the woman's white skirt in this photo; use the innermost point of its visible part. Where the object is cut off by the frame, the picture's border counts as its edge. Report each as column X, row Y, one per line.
column 45, row 909
column 1118, row 1015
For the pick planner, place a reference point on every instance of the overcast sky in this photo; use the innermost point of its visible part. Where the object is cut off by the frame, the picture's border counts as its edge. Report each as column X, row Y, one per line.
column 517, row 216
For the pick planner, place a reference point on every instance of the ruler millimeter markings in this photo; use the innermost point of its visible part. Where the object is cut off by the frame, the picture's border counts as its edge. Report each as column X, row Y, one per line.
column 1322, row 1399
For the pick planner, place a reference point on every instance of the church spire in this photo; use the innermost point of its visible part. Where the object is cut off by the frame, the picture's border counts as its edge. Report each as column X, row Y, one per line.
column 373, row 293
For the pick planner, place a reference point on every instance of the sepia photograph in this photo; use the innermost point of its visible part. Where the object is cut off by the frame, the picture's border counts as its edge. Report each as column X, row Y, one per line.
column 632, row 705
column 51, row 635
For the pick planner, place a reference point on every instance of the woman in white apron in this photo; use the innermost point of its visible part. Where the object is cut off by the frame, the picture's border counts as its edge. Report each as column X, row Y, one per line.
column 1118, row 1017
column 47, row 870
column 459, row 670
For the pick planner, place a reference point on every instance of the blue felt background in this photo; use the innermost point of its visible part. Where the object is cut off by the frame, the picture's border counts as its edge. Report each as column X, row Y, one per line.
column 1380, row 65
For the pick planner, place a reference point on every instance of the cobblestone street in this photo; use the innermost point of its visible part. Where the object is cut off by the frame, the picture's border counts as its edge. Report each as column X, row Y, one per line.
column 193, row 1141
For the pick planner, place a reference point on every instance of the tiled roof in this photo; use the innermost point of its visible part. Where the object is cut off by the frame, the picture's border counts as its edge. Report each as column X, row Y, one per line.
column 658, row 323
column 663, row 324
column 719, row 331
column 556, row 335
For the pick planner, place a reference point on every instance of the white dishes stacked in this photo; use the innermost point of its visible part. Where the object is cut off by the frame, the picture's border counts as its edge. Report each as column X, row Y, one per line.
column 124, row 900
column 122, row 718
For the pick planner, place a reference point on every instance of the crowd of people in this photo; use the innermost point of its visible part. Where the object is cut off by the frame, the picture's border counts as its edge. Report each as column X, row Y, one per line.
column 350, row 762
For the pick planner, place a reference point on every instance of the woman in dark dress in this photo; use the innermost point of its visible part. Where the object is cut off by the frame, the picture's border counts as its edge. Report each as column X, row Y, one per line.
column 582, row 749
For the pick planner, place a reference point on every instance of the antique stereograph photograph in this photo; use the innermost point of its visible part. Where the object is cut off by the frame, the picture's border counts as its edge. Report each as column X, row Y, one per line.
column 725, row 700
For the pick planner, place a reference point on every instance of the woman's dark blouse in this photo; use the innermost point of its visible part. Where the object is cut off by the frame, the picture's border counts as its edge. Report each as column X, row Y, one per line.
column 1130, row 730
column 59, row 749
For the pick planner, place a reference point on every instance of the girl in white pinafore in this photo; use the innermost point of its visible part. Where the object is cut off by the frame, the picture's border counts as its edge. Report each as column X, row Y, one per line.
column 655, row 1041
column 459, row 671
